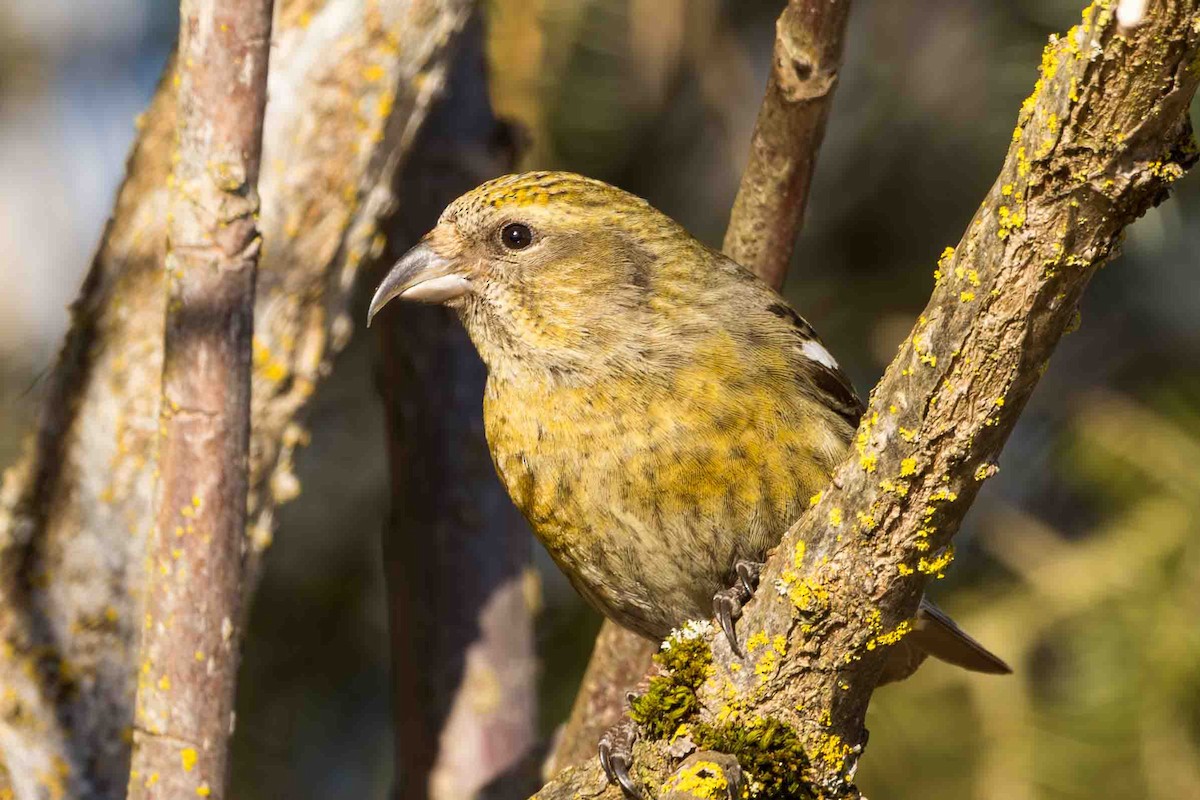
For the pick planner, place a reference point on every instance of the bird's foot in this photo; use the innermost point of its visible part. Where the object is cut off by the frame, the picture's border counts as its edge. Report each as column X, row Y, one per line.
column 616, row 756
column 727, row 603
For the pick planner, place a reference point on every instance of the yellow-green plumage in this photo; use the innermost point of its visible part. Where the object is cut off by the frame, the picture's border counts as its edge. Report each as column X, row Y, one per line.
column 682, row 438
column 655, row 411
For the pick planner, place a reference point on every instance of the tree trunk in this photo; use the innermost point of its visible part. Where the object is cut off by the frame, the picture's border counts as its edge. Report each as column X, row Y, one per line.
column 351, row 82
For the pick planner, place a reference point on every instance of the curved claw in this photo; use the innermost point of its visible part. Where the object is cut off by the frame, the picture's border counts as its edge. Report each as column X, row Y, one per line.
column 620, row 776
column 616, row 753
column 727, row 608
column 747, row 573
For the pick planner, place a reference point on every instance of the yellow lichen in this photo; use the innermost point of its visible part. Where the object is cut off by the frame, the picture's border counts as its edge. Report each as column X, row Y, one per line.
column 765, row 667
column 703, row 779
column 806, row 594
column 937, row 566
column 756, row 641
column 833, row 752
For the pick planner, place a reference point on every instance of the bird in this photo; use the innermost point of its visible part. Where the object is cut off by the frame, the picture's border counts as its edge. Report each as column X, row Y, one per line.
column 658, row 413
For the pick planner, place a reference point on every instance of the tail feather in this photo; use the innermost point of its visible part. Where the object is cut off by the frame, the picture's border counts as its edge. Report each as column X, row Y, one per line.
column 935, row 634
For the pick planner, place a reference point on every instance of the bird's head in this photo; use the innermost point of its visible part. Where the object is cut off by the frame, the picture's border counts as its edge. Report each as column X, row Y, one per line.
column 543, row 268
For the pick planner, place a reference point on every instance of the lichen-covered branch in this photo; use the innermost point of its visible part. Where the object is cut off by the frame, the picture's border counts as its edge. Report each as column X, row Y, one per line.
column 1099, row 141
column 763, row 225
column 193, row 580
column 770, row 202
column 350, row 84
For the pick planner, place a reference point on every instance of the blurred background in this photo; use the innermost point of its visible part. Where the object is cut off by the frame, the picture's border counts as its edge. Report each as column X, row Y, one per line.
column 1080, row 563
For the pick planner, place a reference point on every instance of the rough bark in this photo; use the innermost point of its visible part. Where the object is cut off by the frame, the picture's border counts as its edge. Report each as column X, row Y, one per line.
column 1099, row 141
column 771, row 199
column 350, row 84
column 457, row 554
column 193, row 580
column 766, row 218
column 620, row 660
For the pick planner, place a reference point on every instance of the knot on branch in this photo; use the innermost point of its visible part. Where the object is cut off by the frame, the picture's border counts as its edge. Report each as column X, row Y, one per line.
column 799, row 79
column 804, row 67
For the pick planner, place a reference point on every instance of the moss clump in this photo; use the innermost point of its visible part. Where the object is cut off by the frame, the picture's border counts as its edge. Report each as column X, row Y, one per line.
column 671, row 698
column 769, row 752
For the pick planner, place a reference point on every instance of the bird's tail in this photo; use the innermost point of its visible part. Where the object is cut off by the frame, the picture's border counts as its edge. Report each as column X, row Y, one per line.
column 935, row 634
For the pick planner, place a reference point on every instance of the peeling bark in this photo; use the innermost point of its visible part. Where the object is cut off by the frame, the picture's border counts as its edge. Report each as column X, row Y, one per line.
column 1100, row 141
column 350, row 85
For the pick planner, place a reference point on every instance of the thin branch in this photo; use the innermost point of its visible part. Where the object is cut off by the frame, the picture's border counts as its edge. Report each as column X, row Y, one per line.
column 190, row 642
column 1100, row 141
column 774, row 191
column 763, row 225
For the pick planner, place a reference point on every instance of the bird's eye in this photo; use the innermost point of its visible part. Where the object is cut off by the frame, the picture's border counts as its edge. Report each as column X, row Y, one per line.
column 516, row 236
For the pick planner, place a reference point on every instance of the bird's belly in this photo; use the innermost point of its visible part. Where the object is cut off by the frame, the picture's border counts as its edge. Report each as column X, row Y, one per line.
column 648, row 519
column 639, row 577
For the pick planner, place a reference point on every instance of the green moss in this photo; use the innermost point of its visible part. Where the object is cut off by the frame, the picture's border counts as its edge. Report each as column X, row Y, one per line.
column 769, row 752
column 671, row 698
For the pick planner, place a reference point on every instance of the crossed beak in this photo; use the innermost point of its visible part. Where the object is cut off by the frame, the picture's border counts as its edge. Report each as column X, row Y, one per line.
column 422, row 276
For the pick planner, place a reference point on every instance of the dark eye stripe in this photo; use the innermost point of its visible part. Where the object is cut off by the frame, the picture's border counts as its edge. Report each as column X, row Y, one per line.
column 516, row 236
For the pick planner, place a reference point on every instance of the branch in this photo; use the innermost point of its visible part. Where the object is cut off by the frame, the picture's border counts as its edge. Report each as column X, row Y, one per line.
column 620, row 660
column 1100, row 141
column 351, row 84
column 190, row 644
column 770, row 202
column 763, row 225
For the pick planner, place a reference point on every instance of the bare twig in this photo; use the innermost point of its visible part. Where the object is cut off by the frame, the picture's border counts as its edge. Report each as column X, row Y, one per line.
column 770, row 202
column 763, row 225
column 190, row 641
column 1101, row 139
